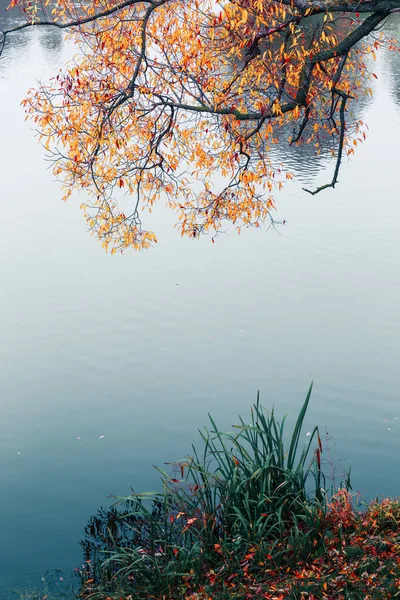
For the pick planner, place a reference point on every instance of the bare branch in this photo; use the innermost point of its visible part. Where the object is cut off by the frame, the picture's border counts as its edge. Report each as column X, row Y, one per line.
column 344, row 97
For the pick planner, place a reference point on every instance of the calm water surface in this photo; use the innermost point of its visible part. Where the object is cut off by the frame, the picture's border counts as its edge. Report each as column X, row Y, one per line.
column 139, row 348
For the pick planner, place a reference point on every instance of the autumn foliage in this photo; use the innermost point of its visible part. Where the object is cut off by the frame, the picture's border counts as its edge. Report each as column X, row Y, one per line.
column 182, row 101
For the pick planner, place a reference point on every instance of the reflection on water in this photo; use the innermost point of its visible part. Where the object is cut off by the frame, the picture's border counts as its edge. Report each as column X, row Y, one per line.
column 19, row 45
column 392, row 59
column 302, row 159
column 52, row 41
column 109, row 364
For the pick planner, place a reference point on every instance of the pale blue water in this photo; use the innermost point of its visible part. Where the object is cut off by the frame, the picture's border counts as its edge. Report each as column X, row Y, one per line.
column 139, row 348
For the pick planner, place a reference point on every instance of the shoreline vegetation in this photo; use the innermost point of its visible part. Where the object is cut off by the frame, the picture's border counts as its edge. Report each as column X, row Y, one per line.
column 246, row 517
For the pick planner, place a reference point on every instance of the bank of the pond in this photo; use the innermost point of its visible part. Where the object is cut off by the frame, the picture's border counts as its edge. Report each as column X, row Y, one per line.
column 248, row 515
column 357, row 557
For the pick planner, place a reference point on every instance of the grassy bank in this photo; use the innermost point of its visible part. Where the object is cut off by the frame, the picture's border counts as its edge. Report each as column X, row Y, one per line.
column 247, row 516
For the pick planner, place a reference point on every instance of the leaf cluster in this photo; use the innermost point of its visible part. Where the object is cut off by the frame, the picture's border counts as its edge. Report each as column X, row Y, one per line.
column 184, row 102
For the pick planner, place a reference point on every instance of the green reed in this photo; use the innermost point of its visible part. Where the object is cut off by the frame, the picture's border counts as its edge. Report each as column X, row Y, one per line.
column 244, row 493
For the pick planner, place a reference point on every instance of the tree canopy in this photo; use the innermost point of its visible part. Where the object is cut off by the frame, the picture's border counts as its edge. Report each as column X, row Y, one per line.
column 182, row 101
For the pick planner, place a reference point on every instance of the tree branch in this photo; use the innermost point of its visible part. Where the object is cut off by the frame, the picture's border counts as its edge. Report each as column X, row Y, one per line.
column 76, row 22
column 344, row 98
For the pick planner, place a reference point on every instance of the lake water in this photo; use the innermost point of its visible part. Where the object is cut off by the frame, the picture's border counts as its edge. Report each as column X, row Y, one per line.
column 139, row 348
